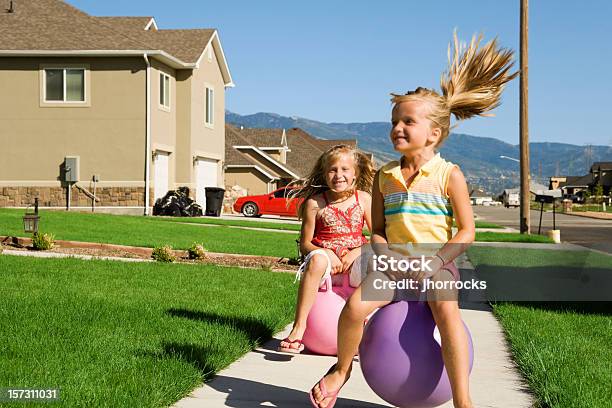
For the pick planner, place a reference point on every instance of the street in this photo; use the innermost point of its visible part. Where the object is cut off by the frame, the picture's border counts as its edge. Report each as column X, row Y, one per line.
column 588, row 232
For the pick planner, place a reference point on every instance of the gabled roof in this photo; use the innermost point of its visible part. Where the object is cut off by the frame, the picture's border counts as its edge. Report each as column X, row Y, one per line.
column 601, row 166
column 261, row 137
column 578, row 181
column 478, row 193
column 304, row 149
column 53, row 27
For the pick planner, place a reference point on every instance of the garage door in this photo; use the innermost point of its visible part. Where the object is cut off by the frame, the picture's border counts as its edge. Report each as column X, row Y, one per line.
column 161, row 174
column 206, row 176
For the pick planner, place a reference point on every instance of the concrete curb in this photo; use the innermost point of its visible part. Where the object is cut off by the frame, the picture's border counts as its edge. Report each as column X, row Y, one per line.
column 44, row 254
column 589, row 214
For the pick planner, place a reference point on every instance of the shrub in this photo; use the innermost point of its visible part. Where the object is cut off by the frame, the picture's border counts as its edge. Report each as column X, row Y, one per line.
column 196, row 251
column 163, row 253
column 43, row 242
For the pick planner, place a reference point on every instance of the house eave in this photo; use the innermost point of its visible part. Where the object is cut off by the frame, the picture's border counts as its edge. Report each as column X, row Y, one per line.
column 160, row 55
column 268, row 158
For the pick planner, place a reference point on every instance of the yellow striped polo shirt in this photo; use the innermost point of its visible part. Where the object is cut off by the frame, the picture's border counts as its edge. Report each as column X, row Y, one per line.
column 422, row 212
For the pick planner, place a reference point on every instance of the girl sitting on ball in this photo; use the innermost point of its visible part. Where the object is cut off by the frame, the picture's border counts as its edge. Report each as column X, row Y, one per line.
column 336, row 203
column 414, row 200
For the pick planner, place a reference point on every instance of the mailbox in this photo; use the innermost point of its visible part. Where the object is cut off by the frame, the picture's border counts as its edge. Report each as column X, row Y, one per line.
column 71, row 169
column 542, row 198
column 548, row 197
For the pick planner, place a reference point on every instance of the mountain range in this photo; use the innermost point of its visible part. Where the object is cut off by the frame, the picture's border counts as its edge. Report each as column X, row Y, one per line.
column 478, row 157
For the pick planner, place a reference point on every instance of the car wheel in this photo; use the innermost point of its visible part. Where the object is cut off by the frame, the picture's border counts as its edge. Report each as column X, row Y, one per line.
column 250, row 209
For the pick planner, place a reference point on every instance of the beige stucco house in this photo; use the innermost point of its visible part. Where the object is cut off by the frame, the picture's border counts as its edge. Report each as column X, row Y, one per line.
column 262, row 160
column 136, row 110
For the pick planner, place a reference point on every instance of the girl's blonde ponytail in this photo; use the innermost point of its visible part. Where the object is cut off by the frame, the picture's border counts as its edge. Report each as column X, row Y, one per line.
column 476, row 77
column 471, row 86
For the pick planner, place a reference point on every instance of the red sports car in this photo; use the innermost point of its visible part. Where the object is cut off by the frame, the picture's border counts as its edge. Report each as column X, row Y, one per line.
column 274, row 203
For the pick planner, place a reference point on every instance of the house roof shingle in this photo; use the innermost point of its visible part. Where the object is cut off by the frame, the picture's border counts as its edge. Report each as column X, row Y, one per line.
column 53, row 25
column 601, row 166
column 127, row 23
column 577, row 181
column 186, row 45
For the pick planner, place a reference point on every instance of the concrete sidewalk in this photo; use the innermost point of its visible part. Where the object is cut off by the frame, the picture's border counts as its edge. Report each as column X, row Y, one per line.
column 265, row 377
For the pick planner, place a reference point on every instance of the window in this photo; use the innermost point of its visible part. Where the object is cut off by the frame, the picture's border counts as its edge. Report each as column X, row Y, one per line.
column 164, row 90
column 280, row 193
column 65, row 85
column 210, row 103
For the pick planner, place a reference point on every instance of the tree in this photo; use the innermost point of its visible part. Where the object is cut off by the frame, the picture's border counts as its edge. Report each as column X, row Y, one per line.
column 598, row 191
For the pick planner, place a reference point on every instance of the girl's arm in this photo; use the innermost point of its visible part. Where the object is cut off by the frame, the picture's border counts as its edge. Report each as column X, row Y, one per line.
column 308, row 226
column 464, row 217
column 378, row 215
column 307, row 234
column 366, row 201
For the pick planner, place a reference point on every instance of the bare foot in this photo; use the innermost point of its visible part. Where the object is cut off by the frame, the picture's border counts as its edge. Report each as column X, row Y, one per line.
column 333, row 381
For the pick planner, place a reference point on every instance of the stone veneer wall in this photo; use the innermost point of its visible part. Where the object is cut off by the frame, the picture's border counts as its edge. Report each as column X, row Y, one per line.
column 56, row 197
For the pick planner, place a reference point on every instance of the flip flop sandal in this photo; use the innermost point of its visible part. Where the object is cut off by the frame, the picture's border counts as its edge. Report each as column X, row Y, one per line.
column 325, row 393
column 290, row 349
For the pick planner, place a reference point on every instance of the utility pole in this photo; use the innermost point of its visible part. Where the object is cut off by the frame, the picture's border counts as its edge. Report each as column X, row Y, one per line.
column 525, row 221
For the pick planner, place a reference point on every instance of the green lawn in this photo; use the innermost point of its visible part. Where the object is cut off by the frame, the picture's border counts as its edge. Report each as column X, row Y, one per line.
column 486, row 224
column 275, row 225
column 562, row 348
column 131, row 334
column 180, row 233
column 511, row 237
column 150, row 232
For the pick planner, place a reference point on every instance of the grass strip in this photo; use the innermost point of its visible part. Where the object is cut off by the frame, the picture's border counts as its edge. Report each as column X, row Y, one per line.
column 490, row 236
column 235, row 223
column 561, row 348
column 131, row 334
column 150, row 232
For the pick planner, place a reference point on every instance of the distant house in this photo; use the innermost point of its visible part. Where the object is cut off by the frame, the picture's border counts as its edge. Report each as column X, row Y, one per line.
column 478, row 196
column 262, row 160
column 602, row 175
column 572, row 186
column 534, row 189
column 556, row 182
column 110, row 102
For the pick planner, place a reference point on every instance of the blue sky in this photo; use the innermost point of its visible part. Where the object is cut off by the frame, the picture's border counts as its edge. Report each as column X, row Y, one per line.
column 337, row 61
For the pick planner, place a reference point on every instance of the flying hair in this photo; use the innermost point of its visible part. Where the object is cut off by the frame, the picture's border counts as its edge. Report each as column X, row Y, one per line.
column 471, row 86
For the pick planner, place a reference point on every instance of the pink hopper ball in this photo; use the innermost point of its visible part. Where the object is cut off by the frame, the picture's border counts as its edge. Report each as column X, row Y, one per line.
column 321, row 335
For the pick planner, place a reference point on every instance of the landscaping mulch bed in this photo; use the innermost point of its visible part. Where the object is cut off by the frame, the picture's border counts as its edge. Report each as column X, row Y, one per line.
column 122, row 251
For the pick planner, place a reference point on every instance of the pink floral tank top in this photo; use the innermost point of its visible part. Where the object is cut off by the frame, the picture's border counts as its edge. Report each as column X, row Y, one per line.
column 338, row 229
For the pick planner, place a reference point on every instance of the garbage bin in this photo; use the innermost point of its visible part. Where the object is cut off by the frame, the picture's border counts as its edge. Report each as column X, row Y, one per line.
column 214, row 201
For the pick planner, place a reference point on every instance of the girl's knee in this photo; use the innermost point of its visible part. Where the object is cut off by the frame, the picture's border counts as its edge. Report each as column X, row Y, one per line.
column 444, row 311
column 357, row 309
column 317, row 265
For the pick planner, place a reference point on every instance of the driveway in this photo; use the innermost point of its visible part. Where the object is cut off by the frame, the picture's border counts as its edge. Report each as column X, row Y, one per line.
column 588, row 232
